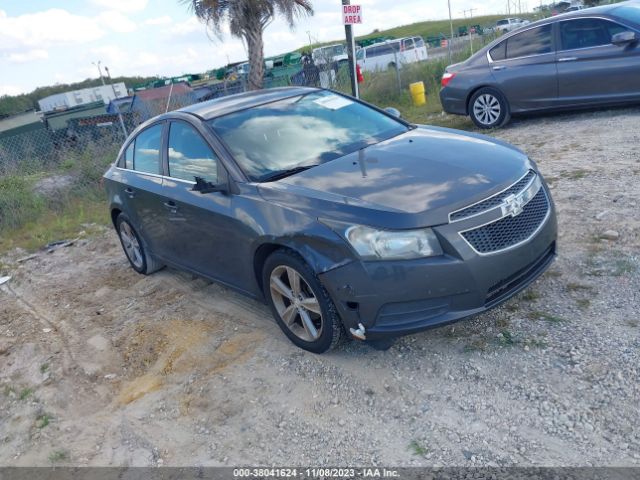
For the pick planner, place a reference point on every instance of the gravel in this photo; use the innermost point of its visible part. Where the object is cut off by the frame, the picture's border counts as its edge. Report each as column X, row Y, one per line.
column 178, row 371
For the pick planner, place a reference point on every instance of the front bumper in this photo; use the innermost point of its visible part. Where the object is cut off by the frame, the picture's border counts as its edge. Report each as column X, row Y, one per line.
column 393, row 298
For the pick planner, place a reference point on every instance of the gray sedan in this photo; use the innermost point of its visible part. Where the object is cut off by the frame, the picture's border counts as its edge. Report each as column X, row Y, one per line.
column 342, row 217
column 582, row 59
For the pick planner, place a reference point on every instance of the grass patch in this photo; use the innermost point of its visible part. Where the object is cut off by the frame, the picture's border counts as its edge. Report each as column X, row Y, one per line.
column 547, row 317
column 477, row 345
column 43, row 421
column 583, row 303
column 575, row 174
column 25, row 393
column 553, row 273
column 530, row 295
column 18, row 203
column 578, row 287
column 52, row 226
column 58, row 456
column 506, row 339
column 44, row 368
column 31, row 217
column 512, row 307
column 613, row 267
column 536, row 343
column 9, row 390
column 417, row 448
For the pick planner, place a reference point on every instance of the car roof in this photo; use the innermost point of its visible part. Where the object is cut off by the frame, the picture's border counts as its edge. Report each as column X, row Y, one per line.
column 608, row 10
column 241, row 101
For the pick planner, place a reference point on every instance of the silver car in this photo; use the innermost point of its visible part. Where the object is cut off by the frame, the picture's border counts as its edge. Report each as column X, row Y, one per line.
column 581, row 59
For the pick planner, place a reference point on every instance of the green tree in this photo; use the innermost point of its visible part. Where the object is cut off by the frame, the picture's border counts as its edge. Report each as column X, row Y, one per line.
column 247, row 20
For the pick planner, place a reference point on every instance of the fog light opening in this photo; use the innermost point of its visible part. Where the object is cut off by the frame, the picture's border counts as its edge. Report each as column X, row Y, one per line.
column 353, row 306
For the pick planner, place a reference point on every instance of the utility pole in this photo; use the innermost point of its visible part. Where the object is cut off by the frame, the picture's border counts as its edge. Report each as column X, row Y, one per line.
column 310, row 42
column 471, row 27
column 99, row 70
column 124, row 129
column 351, row 53
column 451, row 38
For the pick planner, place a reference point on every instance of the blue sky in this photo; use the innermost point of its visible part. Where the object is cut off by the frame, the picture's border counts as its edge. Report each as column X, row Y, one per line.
column 46, row 42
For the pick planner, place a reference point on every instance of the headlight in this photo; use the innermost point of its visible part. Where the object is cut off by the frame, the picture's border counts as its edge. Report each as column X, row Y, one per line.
column 374, row 244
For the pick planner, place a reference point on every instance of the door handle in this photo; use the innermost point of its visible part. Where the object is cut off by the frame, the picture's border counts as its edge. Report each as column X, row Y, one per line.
column 499, row 67
column 171, row 206
column 130, row 192
column 568, row 59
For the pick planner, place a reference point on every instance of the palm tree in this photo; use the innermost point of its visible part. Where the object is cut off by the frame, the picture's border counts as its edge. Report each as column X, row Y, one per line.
column 247, row 20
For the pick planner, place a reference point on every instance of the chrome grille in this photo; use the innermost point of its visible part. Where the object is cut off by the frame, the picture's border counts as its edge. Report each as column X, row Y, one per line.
column 494, row 201
column 509, row 231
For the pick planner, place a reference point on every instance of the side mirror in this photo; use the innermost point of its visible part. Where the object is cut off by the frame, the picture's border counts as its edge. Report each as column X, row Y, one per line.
column 624, row 38
column 393, row 111
column 203, row 186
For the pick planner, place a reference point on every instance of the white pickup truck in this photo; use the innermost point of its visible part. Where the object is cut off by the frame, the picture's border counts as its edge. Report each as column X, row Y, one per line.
column 510, row 24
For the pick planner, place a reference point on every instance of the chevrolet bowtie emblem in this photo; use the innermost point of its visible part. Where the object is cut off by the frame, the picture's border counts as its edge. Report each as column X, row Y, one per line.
column 513, row 205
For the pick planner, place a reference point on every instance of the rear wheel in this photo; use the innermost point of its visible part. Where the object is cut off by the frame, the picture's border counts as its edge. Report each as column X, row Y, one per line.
column 134, row 248
column 488, row 108
column 300, row 304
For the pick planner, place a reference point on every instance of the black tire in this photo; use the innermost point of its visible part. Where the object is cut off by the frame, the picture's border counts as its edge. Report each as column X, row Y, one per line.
column 141, row 261
column 488, row 108
column 331, row 330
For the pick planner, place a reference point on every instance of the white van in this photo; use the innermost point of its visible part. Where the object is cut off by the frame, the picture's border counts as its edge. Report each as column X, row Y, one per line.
column 329, row 54
column 381, row 56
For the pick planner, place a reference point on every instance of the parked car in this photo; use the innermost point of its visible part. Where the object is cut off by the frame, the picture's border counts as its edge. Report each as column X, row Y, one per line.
column 580, row 59
column 381, row 56
column 342, row 217
column 575, row 8
column 510, row 24
column 330, row 54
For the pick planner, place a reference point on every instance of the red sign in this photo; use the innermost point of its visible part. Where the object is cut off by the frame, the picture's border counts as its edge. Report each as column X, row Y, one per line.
column 351, row 14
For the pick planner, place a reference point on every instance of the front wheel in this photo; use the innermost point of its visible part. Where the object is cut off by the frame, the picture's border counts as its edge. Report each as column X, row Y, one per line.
column 300, row 304
column 488, row 108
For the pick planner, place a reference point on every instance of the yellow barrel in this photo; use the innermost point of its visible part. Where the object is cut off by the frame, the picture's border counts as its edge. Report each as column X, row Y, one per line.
column 418, row 93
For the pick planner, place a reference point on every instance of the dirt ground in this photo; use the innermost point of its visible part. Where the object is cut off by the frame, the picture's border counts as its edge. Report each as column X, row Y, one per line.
column 102, row 366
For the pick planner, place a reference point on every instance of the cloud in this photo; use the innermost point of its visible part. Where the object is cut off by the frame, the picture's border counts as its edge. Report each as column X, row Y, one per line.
column 122, row 5
column 191, row 25
column 45, row 29
column 116, row 21
column 28, row 56
column 165, row 20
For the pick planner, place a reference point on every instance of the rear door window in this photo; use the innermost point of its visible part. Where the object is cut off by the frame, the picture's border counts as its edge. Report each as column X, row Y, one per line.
column 588, row 33
column 536, row 41
column 190, row 156
column 147, row 150
column 381, row 50
column 499, row 52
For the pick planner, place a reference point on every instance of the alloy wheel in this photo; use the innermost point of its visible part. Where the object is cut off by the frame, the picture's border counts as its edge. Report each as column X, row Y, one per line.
column 487, row 109
column 131, row 245
column 296, row 303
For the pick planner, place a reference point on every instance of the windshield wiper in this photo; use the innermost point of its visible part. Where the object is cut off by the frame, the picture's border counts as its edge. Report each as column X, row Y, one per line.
column 286, row 173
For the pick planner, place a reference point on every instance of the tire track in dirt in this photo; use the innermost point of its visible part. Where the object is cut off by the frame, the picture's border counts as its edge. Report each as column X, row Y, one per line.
column 47, row 322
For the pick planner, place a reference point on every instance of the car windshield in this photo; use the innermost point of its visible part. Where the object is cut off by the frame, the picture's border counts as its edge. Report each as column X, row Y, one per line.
column 502, row 22
column 301, row 131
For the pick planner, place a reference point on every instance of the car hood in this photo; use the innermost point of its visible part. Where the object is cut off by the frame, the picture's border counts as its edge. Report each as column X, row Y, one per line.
column 412, row 180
